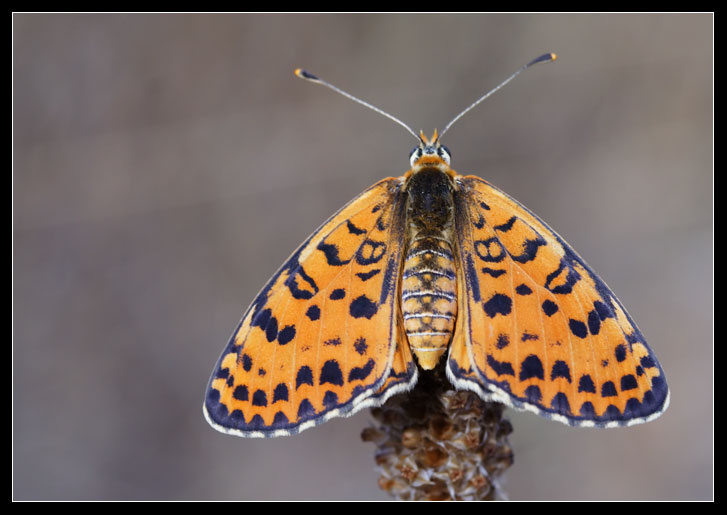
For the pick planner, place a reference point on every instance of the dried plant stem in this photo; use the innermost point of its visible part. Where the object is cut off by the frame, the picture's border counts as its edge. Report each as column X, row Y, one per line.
column 436, row 443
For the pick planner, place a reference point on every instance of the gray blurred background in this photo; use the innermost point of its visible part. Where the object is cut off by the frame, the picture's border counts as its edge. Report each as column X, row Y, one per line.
column 166, row 165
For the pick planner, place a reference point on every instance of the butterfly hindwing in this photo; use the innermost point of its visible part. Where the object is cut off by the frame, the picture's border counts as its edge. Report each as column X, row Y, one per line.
column 537, row 329
column 322, row 338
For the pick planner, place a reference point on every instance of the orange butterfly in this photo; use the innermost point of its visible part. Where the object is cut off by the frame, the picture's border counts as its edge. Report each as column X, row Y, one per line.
column 421, row 265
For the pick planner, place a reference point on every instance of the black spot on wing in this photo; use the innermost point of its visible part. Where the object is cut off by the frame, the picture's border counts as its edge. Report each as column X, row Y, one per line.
column 560, row 403
column 365, row 276
column 360, row 346
column 633, row 409
column 331, row 252
column 331, row 373
column 380, row 225
column 603, row 310
column 313, row 313
column 562, row 280
column 271, row 331
column 531, row 367
column 256, row 423
column 628, row 382
column 330, row 399
column 507, row 225
column 647, row 362
column 304, row 376
column 498, row 304
column 608, row 389
column 480, row 223
column 300, row 284
column 620, row 352
column 503, row 340
column 361, row 373
column 523, row 289
column 560, row 369
column 259, row 398
column 500, row 367
column 578, row 328
column 492, row 272
column 240, row 393
column 585, row 384
column 588, row 411
column 612, row 413
column 526, row 336
column 363, row 307
column 550, row 308
column 262, row 318
column 594, row 322
column 305, row 410
column 533, row 394
column 280, row 420
column 337, row 294
column 353, row 229
column 530, row 250
column 286, row 334
column 246, row 362
column 280, row 393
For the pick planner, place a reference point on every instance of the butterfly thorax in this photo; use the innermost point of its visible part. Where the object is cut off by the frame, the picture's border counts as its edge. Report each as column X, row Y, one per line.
column 429, row 287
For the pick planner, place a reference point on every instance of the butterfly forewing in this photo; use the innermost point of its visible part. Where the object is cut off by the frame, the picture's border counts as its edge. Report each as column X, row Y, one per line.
column 323, row 337
column 538, row 330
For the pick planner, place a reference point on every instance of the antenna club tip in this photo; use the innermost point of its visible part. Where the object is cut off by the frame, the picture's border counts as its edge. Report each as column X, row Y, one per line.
column 545, row 58
column 300, row 72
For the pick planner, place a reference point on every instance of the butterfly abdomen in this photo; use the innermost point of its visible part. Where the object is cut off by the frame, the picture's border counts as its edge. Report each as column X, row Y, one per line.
column 429, row 284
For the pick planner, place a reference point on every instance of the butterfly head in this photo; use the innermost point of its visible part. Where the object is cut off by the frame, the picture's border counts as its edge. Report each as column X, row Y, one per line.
column 429, row 153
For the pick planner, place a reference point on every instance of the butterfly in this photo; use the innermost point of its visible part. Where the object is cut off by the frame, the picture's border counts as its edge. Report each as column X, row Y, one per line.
column 430, row 269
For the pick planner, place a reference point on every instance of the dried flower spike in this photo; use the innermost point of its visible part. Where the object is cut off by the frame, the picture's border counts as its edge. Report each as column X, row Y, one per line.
column 436, row 443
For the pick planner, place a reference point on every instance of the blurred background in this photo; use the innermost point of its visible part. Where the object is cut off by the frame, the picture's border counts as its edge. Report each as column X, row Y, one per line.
column 164, row 166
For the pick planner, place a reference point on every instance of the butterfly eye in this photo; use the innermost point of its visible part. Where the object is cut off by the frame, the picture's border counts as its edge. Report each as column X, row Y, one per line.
column 444, row 153
column 415, row 154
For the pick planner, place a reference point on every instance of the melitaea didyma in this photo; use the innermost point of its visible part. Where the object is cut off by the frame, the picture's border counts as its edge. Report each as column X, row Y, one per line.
column 429, row 263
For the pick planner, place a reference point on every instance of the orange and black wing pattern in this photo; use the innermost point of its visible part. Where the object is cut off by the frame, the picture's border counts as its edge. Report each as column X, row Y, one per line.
column 537, row 329
column 323, row 338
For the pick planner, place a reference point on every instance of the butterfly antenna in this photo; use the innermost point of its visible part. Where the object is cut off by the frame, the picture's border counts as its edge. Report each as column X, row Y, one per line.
column 312, row 78
column 542, row 59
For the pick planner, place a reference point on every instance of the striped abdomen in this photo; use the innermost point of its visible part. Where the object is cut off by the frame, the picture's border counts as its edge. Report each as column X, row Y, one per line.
column 429, row 281
column 429, row 299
